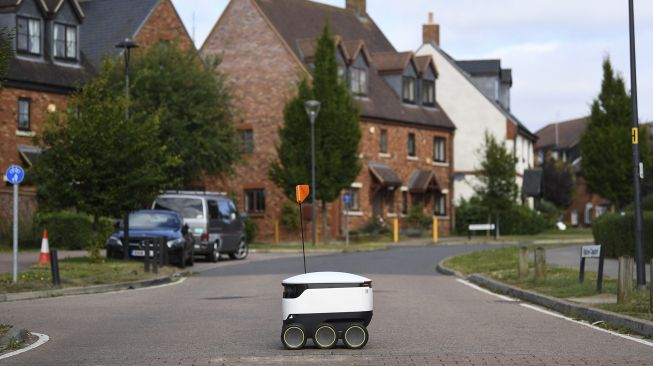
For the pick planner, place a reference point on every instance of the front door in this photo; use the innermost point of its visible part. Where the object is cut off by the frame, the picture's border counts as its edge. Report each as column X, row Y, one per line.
column 377, row 203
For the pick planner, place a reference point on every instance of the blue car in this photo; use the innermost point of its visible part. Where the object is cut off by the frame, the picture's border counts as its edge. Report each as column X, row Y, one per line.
column 154, row 224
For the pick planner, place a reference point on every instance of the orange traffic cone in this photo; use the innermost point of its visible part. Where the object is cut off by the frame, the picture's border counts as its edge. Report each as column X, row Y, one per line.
column 44, row 258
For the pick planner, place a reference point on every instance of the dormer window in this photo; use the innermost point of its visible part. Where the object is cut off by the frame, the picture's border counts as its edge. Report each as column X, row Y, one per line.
column 65, row 41
column 358, row 81
column 28, row 35
column 408, row 94
column 428, row 93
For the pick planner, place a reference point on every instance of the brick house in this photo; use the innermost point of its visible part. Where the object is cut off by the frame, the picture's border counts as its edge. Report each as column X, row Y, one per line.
column 59, row 45
column 406, row 148
column 561, row 141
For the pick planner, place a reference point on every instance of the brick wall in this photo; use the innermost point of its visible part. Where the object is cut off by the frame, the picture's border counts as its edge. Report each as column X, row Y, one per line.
column 163, row 24
column 262, row 75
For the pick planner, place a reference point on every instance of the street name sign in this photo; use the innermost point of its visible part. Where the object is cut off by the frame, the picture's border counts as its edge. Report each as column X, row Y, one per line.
column 475, row 227
column 590, row 251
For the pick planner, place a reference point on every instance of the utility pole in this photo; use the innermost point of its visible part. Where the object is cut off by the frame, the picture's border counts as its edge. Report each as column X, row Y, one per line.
column 638, row 170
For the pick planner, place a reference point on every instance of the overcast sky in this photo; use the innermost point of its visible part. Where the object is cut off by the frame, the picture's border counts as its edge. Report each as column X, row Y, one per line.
column 554, row 47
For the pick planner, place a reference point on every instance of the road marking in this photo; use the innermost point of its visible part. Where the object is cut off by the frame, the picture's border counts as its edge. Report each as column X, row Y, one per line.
column 42, row 339
column 557, row 315
column 504, row 298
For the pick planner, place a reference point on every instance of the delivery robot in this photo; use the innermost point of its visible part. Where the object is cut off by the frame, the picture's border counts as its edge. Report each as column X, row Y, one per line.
column 326, row 307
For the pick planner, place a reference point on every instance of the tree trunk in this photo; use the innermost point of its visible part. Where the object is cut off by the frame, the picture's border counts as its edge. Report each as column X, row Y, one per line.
column 325, row 226
column 93, row 247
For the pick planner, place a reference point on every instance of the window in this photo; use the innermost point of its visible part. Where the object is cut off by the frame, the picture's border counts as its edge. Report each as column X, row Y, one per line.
column 439, row 149
column 383, row 143
column 28, row 35
column 246, row 140
column 255, row 201
column 213, row 210
column 24, row 114
column 440, row 204
column 404, row 202
column 65, row 41
column 355, row 204
column 390, row 201
column 428, row 93
column 358, row 81
column 411, row 144
column 409, row 90
column 342, row 73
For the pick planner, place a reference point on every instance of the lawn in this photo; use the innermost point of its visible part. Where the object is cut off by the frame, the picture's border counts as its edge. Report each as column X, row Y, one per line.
column 322, row 247
column 501, row 264
column 82, row 271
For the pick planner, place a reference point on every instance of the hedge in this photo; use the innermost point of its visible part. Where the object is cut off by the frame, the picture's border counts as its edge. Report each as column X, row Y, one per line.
column 616, row 232
column 73, row 230
column 517, row 220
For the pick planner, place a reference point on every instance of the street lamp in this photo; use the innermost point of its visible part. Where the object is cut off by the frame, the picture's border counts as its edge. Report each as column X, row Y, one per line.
column 126, row 46
column 312, row 109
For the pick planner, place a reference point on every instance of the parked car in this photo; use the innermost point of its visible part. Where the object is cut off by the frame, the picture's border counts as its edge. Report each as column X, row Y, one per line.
column 213, row 220
column 152, row 224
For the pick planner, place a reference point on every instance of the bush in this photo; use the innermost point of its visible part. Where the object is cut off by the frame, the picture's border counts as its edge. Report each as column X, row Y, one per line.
column 647, row 204
column 616, row 232
column 376, row 226
column 290, row 217
column 251, row 229
column 517, row 220
column 74, row 230
column 29, row 233
column 417, row 219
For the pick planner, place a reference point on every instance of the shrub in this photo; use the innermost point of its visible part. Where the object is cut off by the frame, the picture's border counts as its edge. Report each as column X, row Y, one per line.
column 251, row 229
column 29, row 233
column 290, row 217
column 417, row 219
column 74, row 230
column 517, row 220
column 376, row 226
column 616, row 232
column 647, row 204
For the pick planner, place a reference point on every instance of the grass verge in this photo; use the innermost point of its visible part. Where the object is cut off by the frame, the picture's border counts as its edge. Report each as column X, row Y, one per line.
column 329, row 247
column 501, row 264
column 82, row 271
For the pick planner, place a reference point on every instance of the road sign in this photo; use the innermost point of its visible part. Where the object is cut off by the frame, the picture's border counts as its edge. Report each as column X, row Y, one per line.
column 15, row 174
column 301, row 191
column 590, row 251
column 347, row 199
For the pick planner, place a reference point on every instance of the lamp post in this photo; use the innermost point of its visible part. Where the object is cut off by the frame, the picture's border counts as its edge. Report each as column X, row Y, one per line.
column 638, row 169
column 312, row 109
column 126, row 46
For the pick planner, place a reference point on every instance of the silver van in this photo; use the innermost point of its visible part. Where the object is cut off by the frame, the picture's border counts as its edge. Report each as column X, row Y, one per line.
column 213, row 219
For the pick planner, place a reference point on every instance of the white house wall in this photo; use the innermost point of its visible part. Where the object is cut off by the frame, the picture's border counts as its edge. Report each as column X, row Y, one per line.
column 471, row 112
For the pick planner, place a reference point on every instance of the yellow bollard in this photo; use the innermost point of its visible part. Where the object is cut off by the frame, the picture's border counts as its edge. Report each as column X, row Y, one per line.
column 276, row 232
column 396, row 231
column 435, row 229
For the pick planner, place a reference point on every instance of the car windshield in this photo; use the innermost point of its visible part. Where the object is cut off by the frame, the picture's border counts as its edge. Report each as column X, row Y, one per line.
column 188, row 208
column 152, row 221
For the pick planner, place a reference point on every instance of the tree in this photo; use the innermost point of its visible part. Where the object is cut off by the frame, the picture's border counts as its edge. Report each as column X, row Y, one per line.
column 558, row 182
column 606, row 144
column 337, row 133
column 194, row 108
column 497, row 189
column 97, row 161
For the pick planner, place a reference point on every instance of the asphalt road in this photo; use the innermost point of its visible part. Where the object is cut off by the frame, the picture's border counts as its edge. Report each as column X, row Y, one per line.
column 232, row 315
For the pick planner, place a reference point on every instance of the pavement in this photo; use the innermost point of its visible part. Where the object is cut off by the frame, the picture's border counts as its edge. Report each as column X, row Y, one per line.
column 231, row 314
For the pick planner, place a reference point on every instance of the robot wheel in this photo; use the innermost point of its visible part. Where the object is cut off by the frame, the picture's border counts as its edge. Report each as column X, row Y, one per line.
column 293, row 336
column 355, row 336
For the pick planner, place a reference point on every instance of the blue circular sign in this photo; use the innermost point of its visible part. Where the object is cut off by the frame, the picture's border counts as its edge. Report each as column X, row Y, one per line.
column 15, row 174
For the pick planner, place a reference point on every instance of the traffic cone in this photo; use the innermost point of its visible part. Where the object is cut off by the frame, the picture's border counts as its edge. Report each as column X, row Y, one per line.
column 44, row 257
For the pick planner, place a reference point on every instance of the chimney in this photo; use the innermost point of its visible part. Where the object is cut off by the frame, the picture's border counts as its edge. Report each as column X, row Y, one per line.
column 431, row 32
column 358, row 6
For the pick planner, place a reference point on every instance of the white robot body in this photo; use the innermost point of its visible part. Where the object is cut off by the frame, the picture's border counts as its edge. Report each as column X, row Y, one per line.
column 326, row 306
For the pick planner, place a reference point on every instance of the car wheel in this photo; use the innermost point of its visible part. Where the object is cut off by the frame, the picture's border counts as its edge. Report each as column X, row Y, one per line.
column 214, row 256
column 241, row 252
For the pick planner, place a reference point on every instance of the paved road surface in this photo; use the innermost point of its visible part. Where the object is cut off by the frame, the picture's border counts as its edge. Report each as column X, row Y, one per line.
column 231, row 315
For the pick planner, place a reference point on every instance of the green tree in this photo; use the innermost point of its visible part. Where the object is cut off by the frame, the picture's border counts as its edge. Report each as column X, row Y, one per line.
column 97, row 161
column 194, row 107
column 337, row 133
column 606, row 144
column 497, row 189
column 557, row 182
